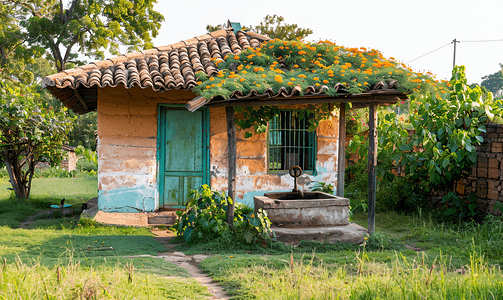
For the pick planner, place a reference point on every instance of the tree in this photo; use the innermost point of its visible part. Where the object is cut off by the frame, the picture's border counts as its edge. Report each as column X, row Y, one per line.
column 29, row 133
column 91, row 25
column 494, row 82
column 273, row 27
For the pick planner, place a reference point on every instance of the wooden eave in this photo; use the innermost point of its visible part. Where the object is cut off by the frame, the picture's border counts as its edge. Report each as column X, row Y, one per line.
column 380, row 97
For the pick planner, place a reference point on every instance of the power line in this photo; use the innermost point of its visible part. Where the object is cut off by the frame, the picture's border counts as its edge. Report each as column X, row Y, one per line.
column 429, row 52
column 481, row 41
column 455, row 41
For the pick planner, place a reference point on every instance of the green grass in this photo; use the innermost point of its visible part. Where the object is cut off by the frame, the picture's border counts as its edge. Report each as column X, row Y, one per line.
column 459, row 261
column 32, row 280
column 309, row 277
column 45, row 192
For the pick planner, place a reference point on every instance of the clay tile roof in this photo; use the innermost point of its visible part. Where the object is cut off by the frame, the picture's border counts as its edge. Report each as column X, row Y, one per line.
column 162, row 68
column 174, row 67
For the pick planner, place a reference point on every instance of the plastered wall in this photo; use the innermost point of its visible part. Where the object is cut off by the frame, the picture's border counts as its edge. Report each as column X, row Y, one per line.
column 127, row 149
column 251, row 172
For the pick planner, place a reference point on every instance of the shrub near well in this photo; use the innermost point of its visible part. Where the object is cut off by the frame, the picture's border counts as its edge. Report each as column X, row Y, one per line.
column 205, row 215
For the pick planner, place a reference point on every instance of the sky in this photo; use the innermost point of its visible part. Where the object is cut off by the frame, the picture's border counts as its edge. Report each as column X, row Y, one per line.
column 402, row 29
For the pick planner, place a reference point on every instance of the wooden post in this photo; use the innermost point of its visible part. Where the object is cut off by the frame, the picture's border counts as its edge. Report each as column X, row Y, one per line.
column 371, row 165
column 341, row 155
column 231, row 159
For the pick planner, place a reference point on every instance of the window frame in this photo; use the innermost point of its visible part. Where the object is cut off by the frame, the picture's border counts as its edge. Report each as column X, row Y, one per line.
column 314, row 149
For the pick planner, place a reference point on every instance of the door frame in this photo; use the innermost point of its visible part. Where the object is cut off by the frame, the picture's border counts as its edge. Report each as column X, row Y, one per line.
column 161, row 151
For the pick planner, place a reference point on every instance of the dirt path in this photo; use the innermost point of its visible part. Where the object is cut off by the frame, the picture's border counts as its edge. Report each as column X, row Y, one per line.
column 189, row 263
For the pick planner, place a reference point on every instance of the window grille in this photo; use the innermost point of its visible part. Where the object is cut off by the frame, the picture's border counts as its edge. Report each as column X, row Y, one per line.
column 290, row 143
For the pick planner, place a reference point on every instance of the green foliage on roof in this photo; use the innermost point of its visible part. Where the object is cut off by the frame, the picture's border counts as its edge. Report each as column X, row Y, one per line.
column 297, row 65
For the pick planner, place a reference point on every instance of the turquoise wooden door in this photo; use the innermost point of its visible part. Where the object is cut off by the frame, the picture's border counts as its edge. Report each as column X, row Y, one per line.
column 183, row 149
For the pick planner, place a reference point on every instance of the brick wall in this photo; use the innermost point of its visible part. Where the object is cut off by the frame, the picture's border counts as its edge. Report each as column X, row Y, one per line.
column 486, row 179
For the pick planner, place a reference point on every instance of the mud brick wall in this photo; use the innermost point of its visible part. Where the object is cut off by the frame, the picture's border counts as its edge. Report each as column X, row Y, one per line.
column 486, row 179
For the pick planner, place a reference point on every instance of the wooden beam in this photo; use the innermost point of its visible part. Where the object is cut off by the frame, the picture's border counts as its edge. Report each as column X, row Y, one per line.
column 341, row 155
column 381, row 100
column 77, row 94
column 371, row 165
column 231, row 159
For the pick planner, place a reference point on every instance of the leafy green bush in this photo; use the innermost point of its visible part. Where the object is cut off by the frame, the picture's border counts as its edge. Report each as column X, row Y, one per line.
column 53, row 172
column 321, row 186
column 205, row 219
column 447, row 125
column 89, row 160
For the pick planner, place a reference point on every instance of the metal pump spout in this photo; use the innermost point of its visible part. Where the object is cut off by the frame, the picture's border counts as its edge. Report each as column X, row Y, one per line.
column 295, row 172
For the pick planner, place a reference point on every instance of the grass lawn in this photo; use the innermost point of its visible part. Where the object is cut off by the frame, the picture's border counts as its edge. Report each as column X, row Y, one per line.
column 458, row 262
column 44, row 193
column 410, row 256
column 68, row 259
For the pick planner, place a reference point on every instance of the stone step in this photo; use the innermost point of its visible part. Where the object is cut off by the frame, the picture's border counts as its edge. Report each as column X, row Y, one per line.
column 351, row 233
column 162, row 219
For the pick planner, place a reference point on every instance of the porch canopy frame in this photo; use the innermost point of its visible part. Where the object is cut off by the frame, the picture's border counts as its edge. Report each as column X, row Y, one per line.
column 371, row 99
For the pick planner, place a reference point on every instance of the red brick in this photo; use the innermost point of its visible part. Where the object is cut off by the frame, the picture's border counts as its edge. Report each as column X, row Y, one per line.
column 482, row 172
column 460, row 187
column 492, row 189
column 493, row 163
column 482, row 189
column 493, row 173
column 497, row 147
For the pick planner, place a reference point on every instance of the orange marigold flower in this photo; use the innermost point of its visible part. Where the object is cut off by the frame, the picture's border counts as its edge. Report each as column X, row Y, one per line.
column 211, row 78
column 316, row 78
column 199, row 82
column 240, row 67
column 278, row 71
column 303, row 60
column 292, row 79
column 295, row 66
column 258, row 85
column 289, row 83
column 326, row 81
column 264, row 76
column 359, row 84
column 241, row 79
column 244, row 72
column 317, row 84
column 219, row 84
column 390, row 73
column 302, row 76
column 278, row 78
column 336, row 62
column 256, row 69
column 366, row 83
column 302, row 52
column 236, row 57
column 213, row 85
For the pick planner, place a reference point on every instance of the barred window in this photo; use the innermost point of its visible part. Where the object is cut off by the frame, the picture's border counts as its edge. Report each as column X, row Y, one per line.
column 290, row 143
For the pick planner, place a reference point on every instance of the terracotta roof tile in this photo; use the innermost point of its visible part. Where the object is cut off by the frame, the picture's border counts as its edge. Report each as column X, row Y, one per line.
column 168, row 67
column 133, row 55
column 118, row 59
column 103, row 63
column 150, row 52
column 164, row 48
column 191, row 41
column 203, row 37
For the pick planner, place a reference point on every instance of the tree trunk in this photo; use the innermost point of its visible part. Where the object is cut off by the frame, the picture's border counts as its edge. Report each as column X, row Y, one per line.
column 231, row 155
column 15, row 174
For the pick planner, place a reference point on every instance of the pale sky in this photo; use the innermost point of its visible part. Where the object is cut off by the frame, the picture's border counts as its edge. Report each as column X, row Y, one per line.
column 398, row 28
